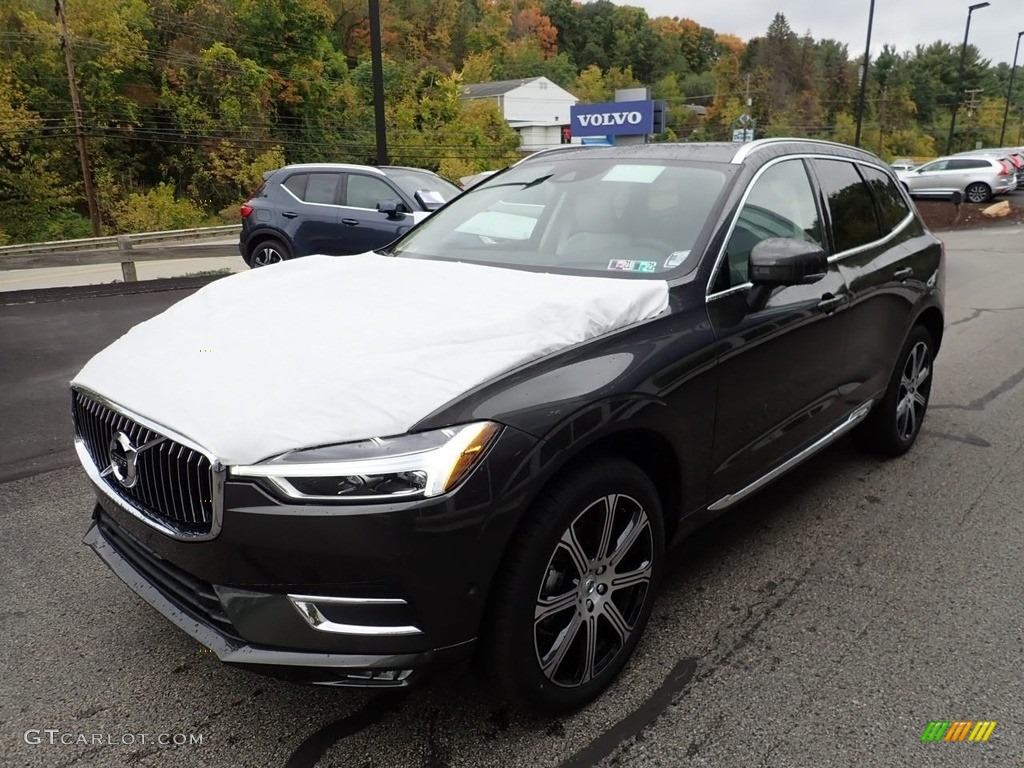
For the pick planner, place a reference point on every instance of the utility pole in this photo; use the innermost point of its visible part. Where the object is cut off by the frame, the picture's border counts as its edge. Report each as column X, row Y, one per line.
column 864, row 76
column 881, row 121
column 377, row 71
column 970, row 105
column 76, row 106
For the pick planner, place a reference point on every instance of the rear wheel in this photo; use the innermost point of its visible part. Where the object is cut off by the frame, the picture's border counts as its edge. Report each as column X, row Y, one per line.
column 894, row 423
column 267, row 252
column 577, row 588
column 978, row 192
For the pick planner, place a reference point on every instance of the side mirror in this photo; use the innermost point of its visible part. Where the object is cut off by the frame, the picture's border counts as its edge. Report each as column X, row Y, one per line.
column 390, row 207
column 783, row 261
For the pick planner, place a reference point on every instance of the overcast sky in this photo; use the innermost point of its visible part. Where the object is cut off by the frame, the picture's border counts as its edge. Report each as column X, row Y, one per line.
column 903, row 23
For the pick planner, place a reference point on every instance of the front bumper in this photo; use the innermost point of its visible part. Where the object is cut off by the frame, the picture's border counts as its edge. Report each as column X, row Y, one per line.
column 366, row 595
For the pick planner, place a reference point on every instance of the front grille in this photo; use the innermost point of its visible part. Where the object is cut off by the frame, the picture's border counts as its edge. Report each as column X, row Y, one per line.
column 175, row 483
column 189, row 593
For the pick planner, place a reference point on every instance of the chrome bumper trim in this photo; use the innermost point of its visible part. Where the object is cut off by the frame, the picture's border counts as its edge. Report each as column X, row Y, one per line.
column 307, row 607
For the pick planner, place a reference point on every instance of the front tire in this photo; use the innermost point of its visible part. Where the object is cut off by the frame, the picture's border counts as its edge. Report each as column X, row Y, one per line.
column 894, row 423
column 577, row 588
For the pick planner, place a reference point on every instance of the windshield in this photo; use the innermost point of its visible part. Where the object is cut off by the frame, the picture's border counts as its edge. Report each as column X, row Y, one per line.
column 613, row 217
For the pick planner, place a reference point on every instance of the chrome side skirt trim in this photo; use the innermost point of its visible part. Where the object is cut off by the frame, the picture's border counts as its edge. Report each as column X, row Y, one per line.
column 306, row 605
column 857, row 416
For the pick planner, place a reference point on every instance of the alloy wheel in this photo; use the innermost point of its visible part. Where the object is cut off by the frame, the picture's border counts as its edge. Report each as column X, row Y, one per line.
column 915, row 384
column 978, row 193
column 593, row 590
column 265, row 255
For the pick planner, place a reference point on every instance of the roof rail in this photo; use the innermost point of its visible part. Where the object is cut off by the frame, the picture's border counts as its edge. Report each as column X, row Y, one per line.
column 758, row 144
column 555, row 151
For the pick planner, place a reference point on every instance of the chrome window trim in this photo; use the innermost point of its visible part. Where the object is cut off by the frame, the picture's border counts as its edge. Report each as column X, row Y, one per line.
column 856, row 416
column 713, row 295
column 218, row 472
column 874, row 243
column 308, row 610
column 708, row 293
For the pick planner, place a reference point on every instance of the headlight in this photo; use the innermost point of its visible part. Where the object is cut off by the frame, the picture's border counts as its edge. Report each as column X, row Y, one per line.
column 380, row 469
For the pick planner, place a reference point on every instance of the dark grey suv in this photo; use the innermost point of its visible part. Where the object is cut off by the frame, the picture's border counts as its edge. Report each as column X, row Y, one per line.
column 483, row 439
column 335, row 209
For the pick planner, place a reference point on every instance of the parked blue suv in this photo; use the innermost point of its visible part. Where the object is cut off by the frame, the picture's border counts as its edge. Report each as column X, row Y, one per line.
column 335, row 209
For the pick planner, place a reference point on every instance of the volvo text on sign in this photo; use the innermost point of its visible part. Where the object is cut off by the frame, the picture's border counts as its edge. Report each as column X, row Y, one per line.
column 623, row 118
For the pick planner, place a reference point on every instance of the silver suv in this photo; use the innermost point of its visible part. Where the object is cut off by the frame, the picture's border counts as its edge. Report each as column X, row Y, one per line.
column 978, row 177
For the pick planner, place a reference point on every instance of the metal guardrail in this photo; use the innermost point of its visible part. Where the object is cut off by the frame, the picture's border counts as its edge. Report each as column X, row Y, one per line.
column 118, row 242
column 123, row 249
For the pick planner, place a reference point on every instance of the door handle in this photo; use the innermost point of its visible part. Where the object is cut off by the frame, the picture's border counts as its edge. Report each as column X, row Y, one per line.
column 350, row 222
column 829, row 302
column 289, row 214
column 903, row 274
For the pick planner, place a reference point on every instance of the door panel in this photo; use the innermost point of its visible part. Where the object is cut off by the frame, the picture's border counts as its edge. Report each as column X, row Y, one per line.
column 778, row 377
column 778, row 367
column 364, row 228
column 312, row 221
column 884, row 280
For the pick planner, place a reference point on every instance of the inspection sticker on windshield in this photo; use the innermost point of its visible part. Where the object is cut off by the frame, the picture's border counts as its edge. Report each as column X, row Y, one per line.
column 628, row 265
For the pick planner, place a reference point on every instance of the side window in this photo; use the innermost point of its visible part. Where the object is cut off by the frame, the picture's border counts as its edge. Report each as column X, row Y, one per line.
column 938, row 165
column 891, row 205
column 366, row 192
column 854, row 220
column 963, row 165
column 780, row 204
column 296, row 184
column 322, row 188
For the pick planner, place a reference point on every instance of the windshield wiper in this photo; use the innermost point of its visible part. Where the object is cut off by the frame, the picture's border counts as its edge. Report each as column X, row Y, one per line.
column 524, row 185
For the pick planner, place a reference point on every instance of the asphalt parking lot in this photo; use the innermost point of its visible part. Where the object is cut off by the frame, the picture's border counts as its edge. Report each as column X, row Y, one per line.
column 823, row 623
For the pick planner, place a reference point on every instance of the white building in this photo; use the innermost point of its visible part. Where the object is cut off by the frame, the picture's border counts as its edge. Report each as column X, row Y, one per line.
column 535, row 107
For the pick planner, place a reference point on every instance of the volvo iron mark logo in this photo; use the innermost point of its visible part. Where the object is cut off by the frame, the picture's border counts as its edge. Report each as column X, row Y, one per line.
column 124, row 459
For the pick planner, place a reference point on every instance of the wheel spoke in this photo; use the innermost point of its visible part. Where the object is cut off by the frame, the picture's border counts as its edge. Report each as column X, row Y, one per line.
column 556, row 655
column 902, row 411
column 632, row 578
column 923, row 375
column 920, row 401
column 629, row 537
column 549, row 606
column 572, row 545
column 617, row 621
column 606, row 529
column 590, row 649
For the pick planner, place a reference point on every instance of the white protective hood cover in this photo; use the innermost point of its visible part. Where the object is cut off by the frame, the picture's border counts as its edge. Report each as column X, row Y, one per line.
column 324, row 350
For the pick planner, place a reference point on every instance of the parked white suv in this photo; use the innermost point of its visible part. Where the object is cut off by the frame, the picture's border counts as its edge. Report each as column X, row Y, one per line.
column 979, row 178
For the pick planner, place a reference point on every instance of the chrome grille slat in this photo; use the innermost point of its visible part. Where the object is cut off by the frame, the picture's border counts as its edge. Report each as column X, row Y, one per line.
column 193, row 489
column 175, row 480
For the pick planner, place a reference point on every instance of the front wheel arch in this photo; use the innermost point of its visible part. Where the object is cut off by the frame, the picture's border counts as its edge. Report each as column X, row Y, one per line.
column 537, row 568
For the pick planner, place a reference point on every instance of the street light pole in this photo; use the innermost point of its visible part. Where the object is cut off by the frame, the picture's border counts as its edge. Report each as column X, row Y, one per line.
column 864, row 76
column 1009, row 91
column 960, row 78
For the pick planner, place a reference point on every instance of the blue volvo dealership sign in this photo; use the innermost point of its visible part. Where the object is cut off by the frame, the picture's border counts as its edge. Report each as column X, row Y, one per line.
column 615, row 118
